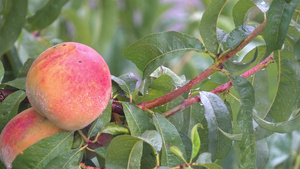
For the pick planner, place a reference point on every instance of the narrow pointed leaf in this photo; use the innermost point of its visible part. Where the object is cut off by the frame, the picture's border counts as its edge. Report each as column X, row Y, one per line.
column 208, row 25
column 44, row 151
column 1, row 72
column 137, row 119
column 9, row 107
column 286, row 99
column 170, row 137
column 115, row 129
column 68, row 159
column 154, row 50
column 238, row 35
column 296, row 52
column 12, row 23
column 124, row 152
column 217, row 115
column 153, row 138
column 196, row 143
column 244, row 119
column 126, row 82
column 235, row 137
column 280, row 127
column 176, row 151
column 18, row 83
column 101, row 121
column 46, row 15
column 241, row 10
column 192, row 115
column 278, row 19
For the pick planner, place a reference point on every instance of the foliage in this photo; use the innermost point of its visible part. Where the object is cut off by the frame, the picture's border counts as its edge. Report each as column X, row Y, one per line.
column 178, row 108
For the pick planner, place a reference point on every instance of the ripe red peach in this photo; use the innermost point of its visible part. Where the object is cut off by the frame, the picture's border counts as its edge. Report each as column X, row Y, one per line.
column 70, row 84
column 25, row 129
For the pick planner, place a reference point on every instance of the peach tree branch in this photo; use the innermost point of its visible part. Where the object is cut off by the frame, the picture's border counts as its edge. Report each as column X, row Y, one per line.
column 214, row 67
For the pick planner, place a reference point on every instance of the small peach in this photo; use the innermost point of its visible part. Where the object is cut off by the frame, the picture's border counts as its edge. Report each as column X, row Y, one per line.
column 25, row 129
column 70, row 84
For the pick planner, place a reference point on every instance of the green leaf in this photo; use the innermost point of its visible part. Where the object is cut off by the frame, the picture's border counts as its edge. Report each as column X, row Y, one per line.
column 1, row 72
column 238, row 35
column 217, row 115
column 278, row 19
column 115, row 129
column 192, row 115
column 241, row 10
column 235, row 137
column 244, row 119
column 46, row 15
column 153, row 138
column 25, row 68
column 18, row 83
column 124, row 152
column 127, row 82
column 101, row 121
column 31, row 46
column 170, row 137
column 42, row 152
column 280, row 127
column 286, row 99
column 196, row 143
column 9, row 107
column 296, row 51
column 137, row 119
column 208, row 25
column 154, row 50
column 12, row 22
column 176, row 151
column 66, row 160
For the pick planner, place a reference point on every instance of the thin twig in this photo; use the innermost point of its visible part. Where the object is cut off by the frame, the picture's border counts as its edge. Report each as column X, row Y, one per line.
column 220, row 89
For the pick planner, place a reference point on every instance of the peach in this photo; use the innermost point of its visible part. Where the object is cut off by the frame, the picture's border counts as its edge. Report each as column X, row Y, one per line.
column 25, row 129
column 70, row 84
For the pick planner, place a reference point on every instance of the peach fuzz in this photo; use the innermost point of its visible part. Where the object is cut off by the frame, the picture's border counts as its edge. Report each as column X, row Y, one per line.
column 70, row 84
column 25, row 129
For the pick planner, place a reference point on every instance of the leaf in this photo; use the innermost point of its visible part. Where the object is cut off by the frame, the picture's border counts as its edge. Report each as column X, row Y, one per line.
column 137, row 119
column 217, row 115
column 153, row 138
column 280, row 127
column 235, row 137
column 208, row 25
column 234, row 66
column 18, row 83
column 46, row 15
column 196, row 143
column 296, row 52
column 278, row 19
column 166, row 71
column 192, row 115
column 9, row 107
column 154, row 50
column 25, row 68
column 1, row 72
column 66, row 160
column 170, row 137
column 204, row 160
column 240, row 11
column 44, row 151
column 238, row 35
column 176, row 151
column 285, row 101
column 127, row 82
column 12, row 22
column 124, row 152
column 244, row 119
column 101, row 121
column 115, row 129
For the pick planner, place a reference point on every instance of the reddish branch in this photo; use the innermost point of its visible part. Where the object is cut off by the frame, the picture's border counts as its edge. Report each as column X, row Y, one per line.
column 214, row 67
column 223, row 88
